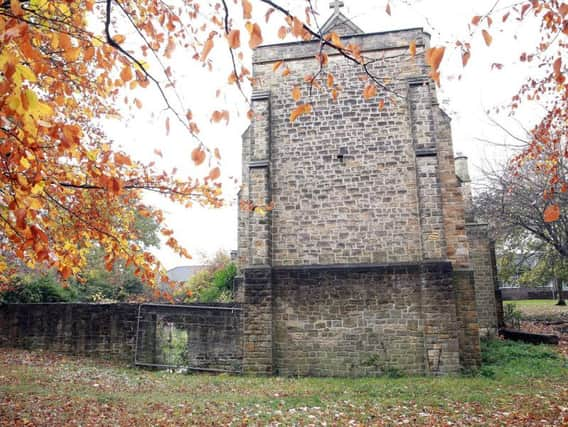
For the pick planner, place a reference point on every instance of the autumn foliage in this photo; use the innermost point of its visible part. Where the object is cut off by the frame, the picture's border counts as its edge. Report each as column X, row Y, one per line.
column 63, row 186
column 66, row 65
column 546, row 151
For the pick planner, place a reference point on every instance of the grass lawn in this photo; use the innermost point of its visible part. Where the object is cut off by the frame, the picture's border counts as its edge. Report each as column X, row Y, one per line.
column 519, row 385
column 540, row 309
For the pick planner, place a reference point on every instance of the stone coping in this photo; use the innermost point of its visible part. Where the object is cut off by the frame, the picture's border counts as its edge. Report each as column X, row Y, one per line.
column 368, row 42
column 383, row 268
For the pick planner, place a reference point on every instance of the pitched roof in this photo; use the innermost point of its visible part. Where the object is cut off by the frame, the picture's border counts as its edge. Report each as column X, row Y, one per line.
column 340, row 24
column 184, row 272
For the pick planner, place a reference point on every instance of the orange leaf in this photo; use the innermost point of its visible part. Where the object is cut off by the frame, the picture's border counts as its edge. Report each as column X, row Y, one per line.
column 297, row 27
column 121, row 159
column 234, row 38
column 167, row 126
column 277, row 65
column 552, row 213
column 126, row 74
column 217, row 153
column 20, row 218
column 268, row 13
column 557, row 66
column 381, row 104
column 336, row 40
column 434, row 57
column 285, row 72
column 16, row 8
column 412, row 48
column 487, row 37
column 206, row 49
column 170, row 47
column 475, row 20
column 296, row 93
column 330, row 80
column 302, row 109
column 465, row 58
column 214, row 173
column 282, row 32
column 65, row 272
column 217, row 116
column 198, row 156
column 388, row 9
column 370, row 91
column 247, row 9
column 255, row 35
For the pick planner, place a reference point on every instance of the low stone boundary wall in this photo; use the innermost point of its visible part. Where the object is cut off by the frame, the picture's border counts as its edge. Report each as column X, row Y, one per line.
column 512, row 294
column 203, row 337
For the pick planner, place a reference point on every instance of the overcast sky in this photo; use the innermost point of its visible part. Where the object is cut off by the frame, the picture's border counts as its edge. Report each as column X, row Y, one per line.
column 466, row 99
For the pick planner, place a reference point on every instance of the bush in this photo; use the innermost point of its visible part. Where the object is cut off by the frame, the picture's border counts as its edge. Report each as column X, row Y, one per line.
column 512, row 315
column 210, row 285
column 44, row 288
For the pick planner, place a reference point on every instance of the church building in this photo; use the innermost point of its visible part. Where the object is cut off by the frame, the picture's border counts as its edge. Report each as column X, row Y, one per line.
column 369, row 260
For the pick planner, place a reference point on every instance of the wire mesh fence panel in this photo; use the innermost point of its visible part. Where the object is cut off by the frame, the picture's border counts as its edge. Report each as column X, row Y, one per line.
column 196, row 337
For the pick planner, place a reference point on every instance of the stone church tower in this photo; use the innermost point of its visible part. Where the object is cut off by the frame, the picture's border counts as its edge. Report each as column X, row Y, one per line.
column 364, row 265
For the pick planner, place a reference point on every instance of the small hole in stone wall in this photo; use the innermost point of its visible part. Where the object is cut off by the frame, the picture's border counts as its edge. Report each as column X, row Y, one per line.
column 342, row 153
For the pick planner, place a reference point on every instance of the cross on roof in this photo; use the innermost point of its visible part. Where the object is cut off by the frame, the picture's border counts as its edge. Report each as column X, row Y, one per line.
column 336, row 4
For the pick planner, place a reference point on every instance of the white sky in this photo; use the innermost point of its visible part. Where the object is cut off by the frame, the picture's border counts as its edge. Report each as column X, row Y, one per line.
column 204, row 231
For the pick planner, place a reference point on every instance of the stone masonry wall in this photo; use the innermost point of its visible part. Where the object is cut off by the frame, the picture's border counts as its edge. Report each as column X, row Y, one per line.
column 108, row 331
column 485, row 280
column 353, row 270
column 365, row 320
column 96, row 330
column 364, row 207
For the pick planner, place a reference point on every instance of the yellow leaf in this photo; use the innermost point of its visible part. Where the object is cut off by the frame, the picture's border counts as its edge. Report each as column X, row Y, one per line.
column 26, row 73
column 412, row 48
column 38, row 188
column 92, row 155
column 35, row 204
column 32, row 100
column 25, row 163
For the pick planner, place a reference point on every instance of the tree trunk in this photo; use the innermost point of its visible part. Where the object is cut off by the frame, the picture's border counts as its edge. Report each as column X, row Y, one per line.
column 559, row 284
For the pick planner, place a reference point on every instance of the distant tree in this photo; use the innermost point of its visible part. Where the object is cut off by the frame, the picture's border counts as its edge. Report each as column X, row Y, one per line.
column 526, row 222
column 212, row 284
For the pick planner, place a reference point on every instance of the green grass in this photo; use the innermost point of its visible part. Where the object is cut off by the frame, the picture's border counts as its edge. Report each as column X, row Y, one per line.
column 540, row 309
column 517, row 382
